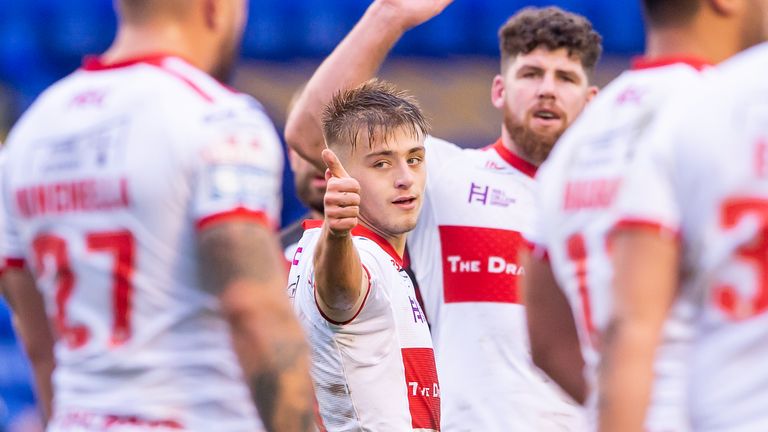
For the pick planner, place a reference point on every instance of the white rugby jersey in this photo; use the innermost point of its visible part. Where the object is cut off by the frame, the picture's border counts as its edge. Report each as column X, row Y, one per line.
column 577, row 186
column 702, row 173
column 110, row 174
column 375, row 372
column 464, row 252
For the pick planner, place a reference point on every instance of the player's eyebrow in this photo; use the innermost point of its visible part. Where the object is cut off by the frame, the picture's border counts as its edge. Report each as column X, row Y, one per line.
column 380, row 153
column 389, row 153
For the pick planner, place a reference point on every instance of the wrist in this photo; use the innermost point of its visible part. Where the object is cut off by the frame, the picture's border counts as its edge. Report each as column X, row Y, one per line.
column 336, row 235
column 391, row 20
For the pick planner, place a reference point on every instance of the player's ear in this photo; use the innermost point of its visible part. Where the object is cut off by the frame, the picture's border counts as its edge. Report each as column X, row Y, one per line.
column 211, row 10
column 498, row 92
column 727, row 7
column 592, row 92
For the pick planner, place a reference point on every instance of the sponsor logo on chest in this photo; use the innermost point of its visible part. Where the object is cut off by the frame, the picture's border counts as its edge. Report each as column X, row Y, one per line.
column 480, row 264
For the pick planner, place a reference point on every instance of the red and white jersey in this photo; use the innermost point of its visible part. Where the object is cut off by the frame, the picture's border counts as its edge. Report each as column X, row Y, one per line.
column 702, row 174
column 375, row 372
column 464, row 253
column 577, row 186
column 110, row 175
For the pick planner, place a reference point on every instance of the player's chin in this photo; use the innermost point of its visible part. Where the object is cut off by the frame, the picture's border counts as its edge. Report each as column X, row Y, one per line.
column 403, row 224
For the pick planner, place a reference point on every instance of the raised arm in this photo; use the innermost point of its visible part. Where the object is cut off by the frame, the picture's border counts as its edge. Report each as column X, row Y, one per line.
column 356, row 60
column 242, row 264
column 34, row 331
column 645, row 281
column 554, row 342
column 340, row 281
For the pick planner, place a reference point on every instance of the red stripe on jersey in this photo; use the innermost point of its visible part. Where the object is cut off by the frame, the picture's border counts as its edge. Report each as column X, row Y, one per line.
column 239, row 213
column 157, row 60
column 643, row 224
column 423, row 388
column 17, row 263
column 368, row 291
column 480, row 264
column 516, row 161
column 318, row 418
column 650, row 63
column 362, row 231
column 191, row 84
column 96, row 63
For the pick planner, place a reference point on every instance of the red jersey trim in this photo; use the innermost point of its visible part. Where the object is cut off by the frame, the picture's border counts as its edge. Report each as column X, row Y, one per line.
column 240, row 213
column 362, row 231
column 516, row 161
column 536, row 250
column 639, row 63
column 645, row 224
column 360, row 309
column 95, row 63
column 16, row 263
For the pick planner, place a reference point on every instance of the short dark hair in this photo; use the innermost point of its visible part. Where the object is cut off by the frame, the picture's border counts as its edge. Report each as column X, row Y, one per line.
column 375, row 108
column 663, row 13
column 552, row 28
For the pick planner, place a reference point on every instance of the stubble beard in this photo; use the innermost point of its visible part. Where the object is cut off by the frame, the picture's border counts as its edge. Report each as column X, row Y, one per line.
column 533, row 146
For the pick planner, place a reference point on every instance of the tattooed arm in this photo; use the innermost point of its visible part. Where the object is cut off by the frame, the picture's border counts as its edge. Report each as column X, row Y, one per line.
column 241, row 263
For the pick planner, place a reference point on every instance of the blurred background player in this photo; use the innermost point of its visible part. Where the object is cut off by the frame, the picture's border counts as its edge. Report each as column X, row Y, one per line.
column 477, row 203
column 144, row 194
column 309, row 183
column 309, row 187
column 691, row 236
column 577, row 186
column 373, row 362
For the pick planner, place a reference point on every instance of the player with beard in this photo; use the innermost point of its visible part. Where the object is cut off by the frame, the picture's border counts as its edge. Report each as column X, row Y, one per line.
column 477, row 203
column 141, row 201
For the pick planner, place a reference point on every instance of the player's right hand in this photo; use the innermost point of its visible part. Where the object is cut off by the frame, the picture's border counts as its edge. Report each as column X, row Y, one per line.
column 415, row 12
column 342, row 196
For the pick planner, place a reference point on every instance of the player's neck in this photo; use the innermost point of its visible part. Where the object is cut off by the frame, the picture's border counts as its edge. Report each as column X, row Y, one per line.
column 509, row 144
column 397, row 241
column 692, row 42
column 135, row 42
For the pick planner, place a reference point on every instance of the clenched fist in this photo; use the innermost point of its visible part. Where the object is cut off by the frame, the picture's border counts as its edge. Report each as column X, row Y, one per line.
column 342, row 196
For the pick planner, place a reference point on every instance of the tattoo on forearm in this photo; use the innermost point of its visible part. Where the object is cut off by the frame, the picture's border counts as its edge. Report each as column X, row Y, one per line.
column 278, row 410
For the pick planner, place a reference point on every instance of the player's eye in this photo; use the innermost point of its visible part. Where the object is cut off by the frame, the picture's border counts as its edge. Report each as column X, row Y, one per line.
column 381, row 164
column 414, row 160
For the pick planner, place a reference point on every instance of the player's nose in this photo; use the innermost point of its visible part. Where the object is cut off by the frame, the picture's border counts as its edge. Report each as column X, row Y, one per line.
column 547, row 86
column 404, row 176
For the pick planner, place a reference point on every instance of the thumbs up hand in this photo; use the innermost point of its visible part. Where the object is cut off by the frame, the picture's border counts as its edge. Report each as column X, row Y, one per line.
column 342, row 197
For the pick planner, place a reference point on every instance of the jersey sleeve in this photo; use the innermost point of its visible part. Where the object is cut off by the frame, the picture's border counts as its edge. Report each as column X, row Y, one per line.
column 238, row 169
column 648, row 197
column 438, row 152
column 534, row 236
column 424, row 239
column 11, row 248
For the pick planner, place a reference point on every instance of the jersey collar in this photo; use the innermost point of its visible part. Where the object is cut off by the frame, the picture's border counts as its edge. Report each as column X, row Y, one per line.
column 650, row 63
column 516, row 161
column 97, row 63
column 362, row 231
